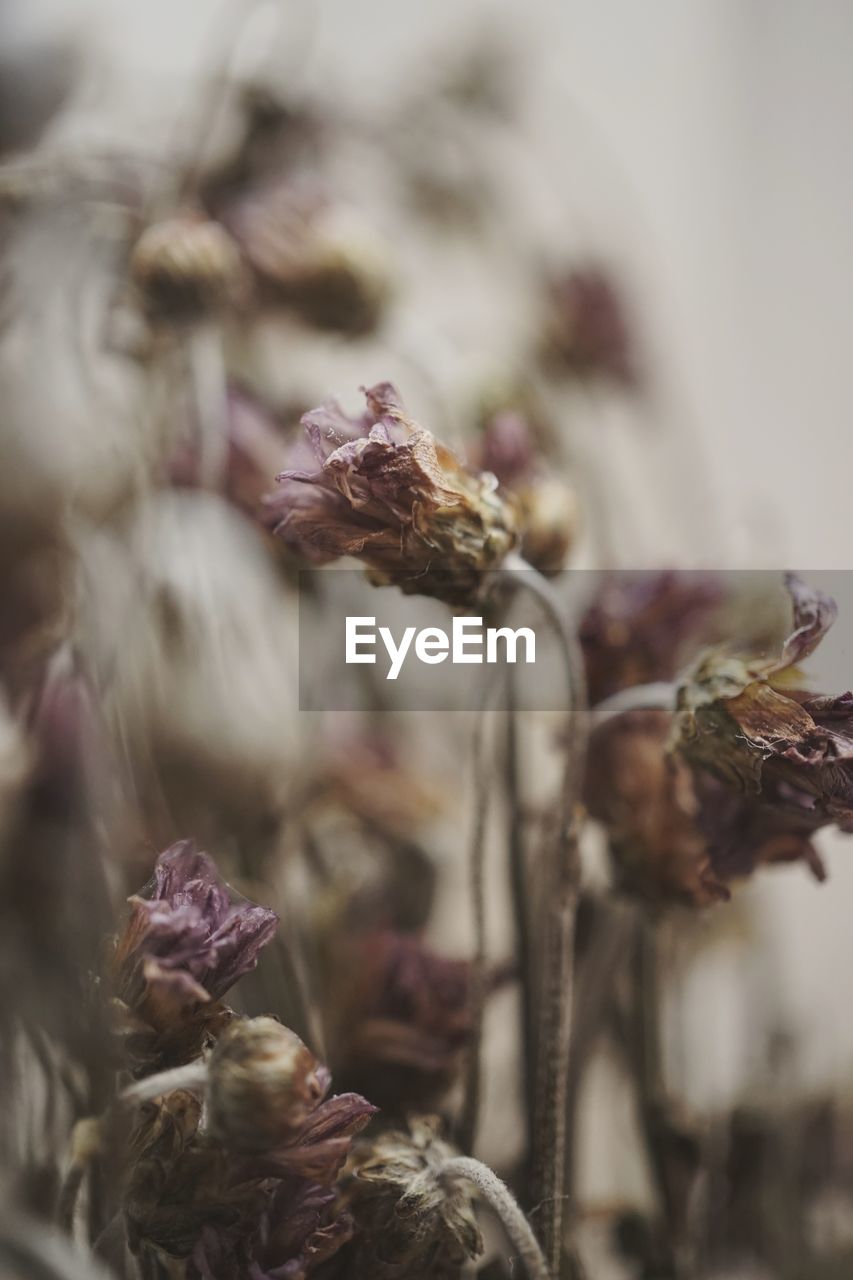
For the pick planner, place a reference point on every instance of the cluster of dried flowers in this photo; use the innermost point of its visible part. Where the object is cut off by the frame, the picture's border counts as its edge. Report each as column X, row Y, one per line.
column 146, row 703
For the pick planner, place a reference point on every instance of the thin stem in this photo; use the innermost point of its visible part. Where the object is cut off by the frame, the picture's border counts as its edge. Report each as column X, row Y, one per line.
column 191, row 1076
column 471, row 1107
column 520, row 901
column 555, row 1009
column 501, row 1200
column 659, row 694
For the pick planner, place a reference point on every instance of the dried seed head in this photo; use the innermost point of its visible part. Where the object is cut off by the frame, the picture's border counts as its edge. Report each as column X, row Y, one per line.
column 186, row 265
column 264, row 1084
column 414, row 1217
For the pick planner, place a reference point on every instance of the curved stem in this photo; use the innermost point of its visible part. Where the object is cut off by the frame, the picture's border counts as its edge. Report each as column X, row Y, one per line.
column 659, row 694
column 191, row 1076
column 501, row 1200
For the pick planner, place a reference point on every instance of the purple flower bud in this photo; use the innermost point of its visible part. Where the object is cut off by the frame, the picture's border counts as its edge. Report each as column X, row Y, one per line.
column 189, row 938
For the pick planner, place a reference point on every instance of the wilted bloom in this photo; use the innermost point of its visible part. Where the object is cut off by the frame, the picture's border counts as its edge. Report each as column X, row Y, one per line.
column 186, row 265
column 547, row 504
column 587, row 332
column 249, row 1194
column 180, row 1185
column 402, row 1019
column 266, row 1094
column 678, row 833
column 641, row 626
column 313, row 257
column 742, row 776
column 414, row 1218
column 752, row 724
column 384, row 490
column 301, row 1227
column 186, row 943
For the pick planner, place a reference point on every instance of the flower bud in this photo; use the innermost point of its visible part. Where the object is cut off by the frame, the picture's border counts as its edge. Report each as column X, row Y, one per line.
column 264, row 1084
column 186, row 265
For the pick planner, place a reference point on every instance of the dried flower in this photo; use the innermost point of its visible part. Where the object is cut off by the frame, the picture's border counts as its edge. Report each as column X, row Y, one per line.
column 587, row 333
column 250, row 1194
column 547, row 505
column 184, row 946
column 387, row 492
column 403, row 1019
column 751, row 724
column 186, row 265
column 266, row 1094
column 677, row 833
column 264, row 1083
column 640, row 626
column 179, row 1184
column 414, row 1218
column 313, row 257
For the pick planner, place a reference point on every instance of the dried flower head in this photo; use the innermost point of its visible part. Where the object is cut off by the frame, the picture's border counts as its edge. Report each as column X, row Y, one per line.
column 742, row 776
column 384, row 490
column 678, row 833
column 414, row 1217
column 249, row 1194
column 266, row 1094
column 186, row 943
column 547, row 504
column 312, row 257
column 750, row 722
column 185, row 265
column 402, row 1019
column 264, row 1083
column 587, row 333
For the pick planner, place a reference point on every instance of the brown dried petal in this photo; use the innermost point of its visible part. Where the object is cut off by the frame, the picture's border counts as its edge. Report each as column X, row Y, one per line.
column 394, row 497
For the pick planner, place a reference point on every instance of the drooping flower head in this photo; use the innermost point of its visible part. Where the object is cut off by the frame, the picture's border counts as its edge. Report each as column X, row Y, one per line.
column 267, row 1093
column 402, row 1019
column 751, row 722
column 188, row 939
column 384, row 490
column 742, row 776
column 413, row 1218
